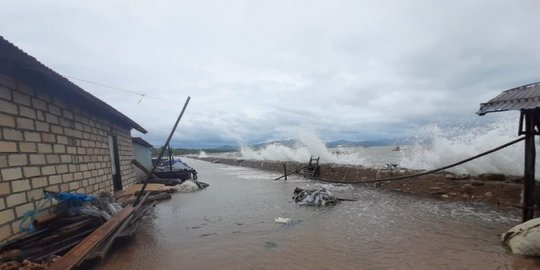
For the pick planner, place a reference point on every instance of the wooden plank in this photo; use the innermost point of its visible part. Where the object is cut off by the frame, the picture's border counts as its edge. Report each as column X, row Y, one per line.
column 76, row 255
column 135, row 188
column 156, row 197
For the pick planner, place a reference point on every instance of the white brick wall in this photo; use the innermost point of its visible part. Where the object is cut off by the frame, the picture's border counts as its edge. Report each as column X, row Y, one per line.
column 50, row 143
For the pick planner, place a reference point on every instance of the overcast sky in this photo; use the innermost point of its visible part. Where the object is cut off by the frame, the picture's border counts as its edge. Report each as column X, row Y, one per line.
column 264, row 70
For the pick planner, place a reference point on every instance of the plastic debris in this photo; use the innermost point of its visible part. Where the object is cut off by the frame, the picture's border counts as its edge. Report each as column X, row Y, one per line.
column 188, row 186
column 314, row 197
column 191, row 186
column 283, row 220
column 70, row 199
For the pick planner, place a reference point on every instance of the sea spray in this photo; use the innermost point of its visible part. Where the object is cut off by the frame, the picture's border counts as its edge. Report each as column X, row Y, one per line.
column 307, row 145
column 202, row 154
column 437, row 146
column 463, row 143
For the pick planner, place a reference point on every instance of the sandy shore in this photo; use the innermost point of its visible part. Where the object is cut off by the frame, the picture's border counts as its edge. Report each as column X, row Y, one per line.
column 489, row 188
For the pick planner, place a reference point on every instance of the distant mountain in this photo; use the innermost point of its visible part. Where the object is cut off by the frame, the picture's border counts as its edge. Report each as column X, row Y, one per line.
column 227, row 148
column 369, row 143
column 331, row 144
column 288, row 143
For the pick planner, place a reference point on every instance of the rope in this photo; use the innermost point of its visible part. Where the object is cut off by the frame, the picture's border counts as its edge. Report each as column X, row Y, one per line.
column 428, row 172
column 31, row 214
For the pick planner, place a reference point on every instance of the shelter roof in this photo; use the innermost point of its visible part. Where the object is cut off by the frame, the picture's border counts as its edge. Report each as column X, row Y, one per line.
column 523, row 97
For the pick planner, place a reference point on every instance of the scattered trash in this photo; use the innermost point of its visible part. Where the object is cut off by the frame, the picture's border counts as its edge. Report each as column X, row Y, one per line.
column 314, row 197
column 282, row 220
column 524, row 238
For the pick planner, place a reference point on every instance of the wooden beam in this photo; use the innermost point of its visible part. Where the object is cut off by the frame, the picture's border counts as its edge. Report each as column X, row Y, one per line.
column 143, row 169
column 76, row 255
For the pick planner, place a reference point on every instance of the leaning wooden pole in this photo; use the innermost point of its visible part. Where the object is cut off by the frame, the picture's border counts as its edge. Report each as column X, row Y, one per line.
column 530, row 159
column 162, row 151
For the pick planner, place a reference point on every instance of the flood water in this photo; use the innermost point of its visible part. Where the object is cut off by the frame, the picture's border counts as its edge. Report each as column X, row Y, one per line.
column 231, row 226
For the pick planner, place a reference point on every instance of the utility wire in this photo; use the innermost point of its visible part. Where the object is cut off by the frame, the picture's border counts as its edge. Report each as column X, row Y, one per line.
column 142, row 95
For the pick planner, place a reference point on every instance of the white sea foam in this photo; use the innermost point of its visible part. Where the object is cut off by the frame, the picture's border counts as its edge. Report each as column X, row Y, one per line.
column 446, row 149
column 307, row 145
column 447, row 146
column 202, row 154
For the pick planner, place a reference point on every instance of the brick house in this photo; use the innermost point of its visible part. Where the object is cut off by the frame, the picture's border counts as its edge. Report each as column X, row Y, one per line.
column 54, row 136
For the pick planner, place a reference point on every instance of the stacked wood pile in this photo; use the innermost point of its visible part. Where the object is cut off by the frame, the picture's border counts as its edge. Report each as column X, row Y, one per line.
column 54, row 235
column 65, row 239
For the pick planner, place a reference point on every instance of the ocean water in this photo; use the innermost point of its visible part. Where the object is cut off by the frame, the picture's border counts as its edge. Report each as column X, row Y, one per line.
column 445, row 147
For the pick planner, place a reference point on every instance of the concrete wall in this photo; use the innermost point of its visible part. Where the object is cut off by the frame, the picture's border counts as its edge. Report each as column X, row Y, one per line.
column 330, row 172
column 48, row 143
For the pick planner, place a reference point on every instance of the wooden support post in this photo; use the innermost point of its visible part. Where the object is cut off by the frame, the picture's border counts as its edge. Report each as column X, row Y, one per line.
column 530, row 159
column 285, row 170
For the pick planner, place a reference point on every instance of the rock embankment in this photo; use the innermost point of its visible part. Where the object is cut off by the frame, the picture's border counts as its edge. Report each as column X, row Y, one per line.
column 489, row 188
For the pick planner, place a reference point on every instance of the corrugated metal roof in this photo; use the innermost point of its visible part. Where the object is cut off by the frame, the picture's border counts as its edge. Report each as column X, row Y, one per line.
column 20, row 65
column 523, row 97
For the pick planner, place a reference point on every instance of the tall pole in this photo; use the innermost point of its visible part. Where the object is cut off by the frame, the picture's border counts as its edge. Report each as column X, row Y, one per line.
column 170, row 158
column 162, row 151
column 530, row 159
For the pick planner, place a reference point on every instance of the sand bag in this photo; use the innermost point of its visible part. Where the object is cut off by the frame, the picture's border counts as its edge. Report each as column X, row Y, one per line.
column 524, row 238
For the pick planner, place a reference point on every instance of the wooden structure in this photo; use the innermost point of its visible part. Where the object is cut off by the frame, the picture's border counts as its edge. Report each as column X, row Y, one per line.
column 525, row 98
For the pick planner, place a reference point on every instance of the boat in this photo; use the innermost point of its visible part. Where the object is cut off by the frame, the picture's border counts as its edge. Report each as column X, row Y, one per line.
column 174, row 168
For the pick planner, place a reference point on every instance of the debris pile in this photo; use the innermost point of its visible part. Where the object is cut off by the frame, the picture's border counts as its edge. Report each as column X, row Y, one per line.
column 80, row 227
column 314, row 197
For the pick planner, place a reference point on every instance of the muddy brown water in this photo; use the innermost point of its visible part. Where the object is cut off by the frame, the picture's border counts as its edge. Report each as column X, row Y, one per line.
column 231, row 226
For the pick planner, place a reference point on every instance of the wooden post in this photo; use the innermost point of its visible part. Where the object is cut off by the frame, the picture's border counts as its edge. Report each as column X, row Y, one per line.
column 170, row 158
column 530, row 159
column 285, row 170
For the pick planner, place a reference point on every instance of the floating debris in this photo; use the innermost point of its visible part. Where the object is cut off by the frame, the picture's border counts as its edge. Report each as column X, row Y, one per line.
column 283, row 220
column 314, row 197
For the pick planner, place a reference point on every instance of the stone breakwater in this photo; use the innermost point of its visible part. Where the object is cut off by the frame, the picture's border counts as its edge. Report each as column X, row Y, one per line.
column 489, row 188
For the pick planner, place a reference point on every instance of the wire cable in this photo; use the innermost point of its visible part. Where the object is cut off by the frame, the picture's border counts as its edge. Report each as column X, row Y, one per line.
column 427, row 172
column 140, row 94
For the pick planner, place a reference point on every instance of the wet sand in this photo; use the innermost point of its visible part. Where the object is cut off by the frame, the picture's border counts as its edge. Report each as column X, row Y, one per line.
column 231, row 226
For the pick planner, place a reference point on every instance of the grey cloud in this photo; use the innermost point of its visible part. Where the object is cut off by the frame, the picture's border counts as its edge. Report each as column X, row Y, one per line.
column 258, row 71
